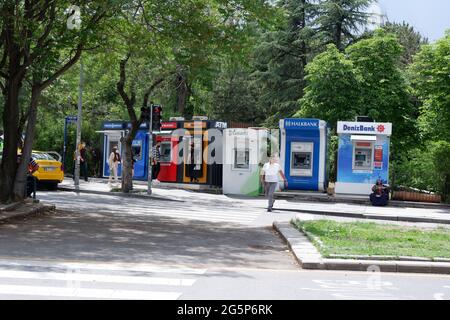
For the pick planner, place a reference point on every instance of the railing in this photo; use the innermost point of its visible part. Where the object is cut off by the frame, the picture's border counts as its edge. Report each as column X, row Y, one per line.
column 416, row 196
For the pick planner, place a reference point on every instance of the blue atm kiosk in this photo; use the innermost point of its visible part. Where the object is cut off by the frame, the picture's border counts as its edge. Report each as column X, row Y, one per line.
column 112, row 132
column 304, row 153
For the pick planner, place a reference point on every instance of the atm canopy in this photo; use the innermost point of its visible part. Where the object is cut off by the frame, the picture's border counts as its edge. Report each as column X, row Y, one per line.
column 120, row 125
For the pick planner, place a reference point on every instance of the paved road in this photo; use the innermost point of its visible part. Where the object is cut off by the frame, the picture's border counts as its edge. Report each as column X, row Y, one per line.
column 103, row 247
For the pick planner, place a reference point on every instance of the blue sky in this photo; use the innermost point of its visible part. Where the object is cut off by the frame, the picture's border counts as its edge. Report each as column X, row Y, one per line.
column 429, row 17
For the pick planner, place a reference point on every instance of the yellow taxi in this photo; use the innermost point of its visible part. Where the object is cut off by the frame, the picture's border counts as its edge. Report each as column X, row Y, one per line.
column 51, row 170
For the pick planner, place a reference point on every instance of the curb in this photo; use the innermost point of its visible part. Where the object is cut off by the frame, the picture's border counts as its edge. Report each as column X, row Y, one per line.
column 312, row 259
column 35, row 209
column 11, row 206
column 119, row 194
column 369, row 216
column 331, row 199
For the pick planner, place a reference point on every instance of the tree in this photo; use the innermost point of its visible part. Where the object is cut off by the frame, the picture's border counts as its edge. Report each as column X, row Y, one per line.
column 333, row 90
column 281, row 58
column 340, row 20
column 410, row 39
column 365, row 80
column 235, row 95
column 37, row 47
column 154, row 42
column 384, row 91
column 429, row 76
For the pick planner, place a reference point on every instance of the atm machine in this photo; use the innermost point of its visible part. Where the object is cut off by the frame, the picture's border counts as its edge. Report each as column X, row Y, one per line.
column 363, row 156
column 304, row 153
column 244, row 154
column 112, row 132
column 189, row 149
column 169, row 167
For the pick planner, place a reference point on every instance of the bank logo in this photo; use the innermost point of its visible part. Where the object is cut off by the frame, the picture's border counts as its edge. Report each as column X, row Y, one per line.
column 380, row 128
column 301, row 123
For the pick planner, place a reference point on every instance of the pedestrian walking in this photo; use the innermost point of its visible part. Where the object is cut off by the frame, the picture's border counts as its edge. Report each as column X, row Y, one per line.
column 269, row 179
column 156, row 155
column 83, row 161
column 113, row 161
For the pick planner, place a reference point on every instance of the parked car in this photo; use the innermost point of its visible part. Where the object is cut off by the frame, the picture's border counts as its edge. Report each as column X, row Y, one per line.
column 51, row 170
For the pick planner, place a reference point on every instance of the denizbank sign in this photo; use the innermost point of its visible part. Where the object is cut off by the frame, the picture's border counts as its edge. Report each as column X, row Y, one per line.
column 381, row 128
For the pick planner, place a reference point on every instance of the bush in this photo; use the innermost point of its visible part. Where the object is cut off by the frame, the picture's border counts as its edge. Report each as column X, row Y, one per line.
column 426, row 168
column 441, row 162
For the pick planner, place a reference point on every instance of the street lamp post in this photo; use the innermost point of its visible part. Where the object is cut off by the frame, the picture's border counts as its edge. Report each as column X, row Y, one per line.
column 77, row 149
column 150, row 148
column 74, row 22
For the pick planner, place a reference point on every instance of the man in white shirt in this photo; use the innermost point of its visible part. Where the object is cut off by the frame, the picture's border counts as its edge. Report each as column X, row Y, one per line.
column 269, row 179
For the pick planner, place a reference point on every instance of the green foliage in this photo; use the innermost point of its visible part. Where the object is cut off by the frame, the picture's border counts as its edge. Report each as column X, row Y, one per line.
column 410, row 39
column 431, row 83
column 339, row 21
column 425, row 168
column 333, row 91
column 235, row 96
column 441, row 164
column 365, row 80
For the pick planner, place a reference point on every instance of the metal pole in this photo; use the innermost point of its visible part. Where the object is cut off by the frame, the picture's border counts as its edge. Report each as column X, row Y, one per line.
column 65, row 143
column 77, row 150
column 150, row 147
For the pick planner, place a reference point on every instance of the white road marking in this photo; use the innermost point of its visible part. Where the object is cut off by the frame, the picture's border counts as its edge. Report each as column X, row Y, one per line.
column 103, row 266
column 87, row 293
column 74, row 276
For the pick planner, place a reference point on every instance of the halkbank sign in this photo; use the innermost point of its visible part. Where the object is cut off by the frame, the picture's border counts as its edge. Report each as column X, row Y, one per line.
column 375, row 128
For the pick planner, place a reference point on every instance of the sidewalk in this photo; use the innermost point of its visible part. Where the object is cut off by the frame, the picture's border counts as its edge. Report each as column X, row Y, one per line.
column 22, row 210
column 438, row 215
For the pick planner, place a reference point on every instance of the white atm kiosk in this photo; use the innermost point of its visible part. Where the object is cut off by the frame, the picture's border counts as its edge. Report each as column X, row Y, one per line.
column 244, row 153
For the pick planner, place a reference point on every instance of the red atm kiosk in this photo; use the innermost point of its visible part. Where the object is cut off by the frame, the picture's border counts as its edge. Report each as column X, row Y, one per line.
column 169, row 153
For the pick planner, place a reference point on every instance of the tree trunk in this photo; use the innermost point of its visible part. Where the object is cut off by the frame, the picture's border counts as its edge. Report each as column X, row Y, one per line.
column 182, row 92
column 338, row 36
column 10, row 123
column 11, row 139
column 127, row 164
column 22, row 170
column 303, row 26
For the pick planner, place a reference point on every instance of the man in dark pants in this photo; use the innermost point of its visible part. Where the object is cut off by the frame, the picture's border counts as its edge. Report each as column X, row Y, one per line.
column 83, row 161
column 155, row 160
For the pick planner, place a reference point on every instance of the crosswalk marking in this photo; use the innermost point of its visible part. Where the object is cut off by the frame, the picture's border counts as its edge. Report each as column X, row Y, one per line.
column 142, row 267
column 62, row 280
column 73, row 276
column 65, row 292
column 213, row 216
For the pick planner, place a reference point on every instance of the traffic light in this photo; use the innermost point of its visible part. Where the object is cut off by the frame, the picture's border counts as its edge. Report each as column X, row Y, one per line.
column 156, row 117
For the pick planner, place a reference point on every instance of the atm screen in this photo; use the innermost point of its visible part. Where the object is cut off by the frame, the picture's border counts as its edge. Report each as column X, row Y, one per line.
column 137, row 150
column 360, row 157
column 164, row 152
column 241, row 159
column 301, row 160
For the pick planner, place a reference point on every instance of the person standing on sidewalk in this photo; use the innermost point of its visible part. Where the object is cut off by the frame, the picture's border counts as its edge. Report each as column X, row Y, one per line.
column 156, row 155
column 113, row 162
column 83, row 161
column 269, row 179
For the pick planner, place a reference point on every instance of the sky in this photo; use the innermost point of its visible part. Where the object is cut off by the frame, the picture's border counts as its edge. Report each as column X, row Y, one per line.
column 430, row 17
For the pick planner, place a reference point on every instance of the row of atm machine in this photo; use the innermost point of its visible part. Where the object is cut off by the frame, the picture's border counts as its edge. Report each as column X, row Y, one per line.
column 207, row 152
